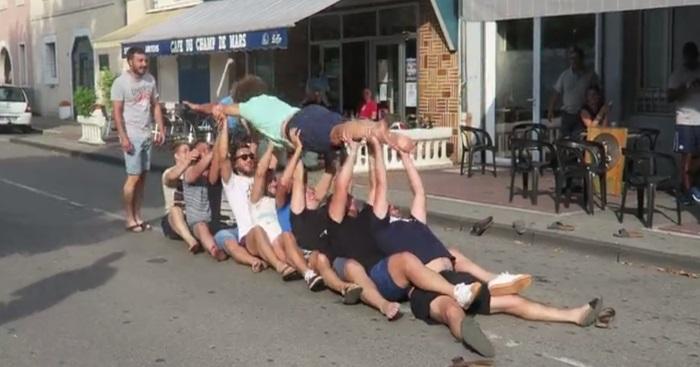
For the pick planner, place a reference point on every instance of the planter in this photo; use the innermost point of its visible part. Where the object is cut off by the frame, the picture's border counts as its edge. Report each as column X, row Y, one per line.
column 64, row 112
column 92, row 128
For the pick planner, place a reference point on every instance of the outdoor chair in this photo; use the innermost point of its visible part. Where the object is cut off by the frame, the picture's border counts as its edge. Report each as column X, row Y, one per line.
column 572, row 164
column 642, row 173
column 642, row 139
column 530, row 131
column 522, row 161
column 474, row 141
column 599, row 168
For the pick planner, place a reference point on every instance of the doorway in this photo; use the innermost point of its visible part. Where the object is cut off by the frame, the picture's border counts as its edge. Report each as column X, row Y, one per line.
column 83, row 64
column 193, row 78
column 354, row 76
column 6, row 67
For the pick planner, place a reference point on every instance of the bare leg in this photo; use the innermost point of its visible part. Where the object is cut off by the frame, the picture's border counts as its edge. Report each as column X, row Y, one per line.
column 320, row 263
column 405, row 270
column 202, row 232
column 529, row 310
column 464, row 265
column 293, row 254
column 138, row 197
column 259, row 245
column 176, row 218
column 364, row 129
column 242, row 256
column 128, row 196
column 685, row 168
column 447, row 311
column 370, row 294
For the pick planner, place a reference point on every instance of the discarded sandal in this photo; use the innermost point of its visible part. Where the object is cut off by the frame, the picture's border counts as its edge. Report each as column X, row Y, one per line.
column 625, row 233
column 519, row 227
column 481, row 226
column 605, row 317
column 595, row 304
column 559, row 226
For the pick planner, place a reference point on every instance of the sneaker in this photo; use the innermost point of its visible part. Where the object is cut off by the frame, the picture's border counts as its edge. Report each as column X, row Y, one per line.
column 316, row 283
column 686, row 199
column 694, row 193
column 466, row 293
column 507, row 283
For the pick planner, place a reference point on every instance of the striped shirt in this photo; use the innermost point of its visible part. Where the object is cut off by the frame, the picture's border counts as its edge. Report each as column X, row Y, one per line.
column 197, row 208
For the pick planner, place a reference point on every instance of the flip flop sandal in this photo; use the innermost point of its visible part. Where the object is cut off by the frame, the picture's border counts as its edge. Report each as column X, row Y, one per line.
column 481, row 226
column 133, row 228
column 474, row 338
column 351, row 294
column 146, row 226
column 559, row 226
column 519, row 227
column 605, row 317
column 317, row 284
column 624, row 233
column 289, row 274
column 596, row 304
column 460, row 362
column 197, row 248
column 258, row 267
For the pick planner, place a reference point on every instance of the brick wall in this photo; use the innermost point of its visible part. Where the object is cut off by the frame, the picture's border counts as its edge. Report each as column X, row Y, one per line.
column 438, row 73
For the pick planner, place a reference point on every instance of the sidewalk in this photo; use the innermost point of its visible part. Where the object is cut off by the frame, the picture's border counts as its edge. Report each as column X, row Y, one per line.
column 460, row 201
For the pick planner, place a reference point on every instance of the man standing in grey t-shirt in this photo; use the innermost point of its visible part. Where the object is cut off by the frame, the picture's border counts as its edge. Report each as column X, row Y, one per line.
column 134, row 97
column 571, row 87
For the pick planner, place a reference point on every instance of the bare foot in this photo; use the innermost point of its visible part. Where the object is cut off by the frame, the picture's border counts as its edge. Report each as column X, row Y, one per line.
column 194, row 247
column 258, row 266
column 217, row 254
column 391, row 310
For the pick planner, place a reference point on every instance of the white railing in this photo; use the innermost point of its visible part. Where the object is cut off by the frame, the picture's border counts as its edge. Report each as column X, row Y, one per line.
column 431, row 150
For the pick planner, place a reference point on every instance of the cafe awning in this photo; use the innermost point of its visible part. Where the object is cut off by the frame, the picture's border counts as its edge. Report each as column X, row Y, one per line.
column 490, row 10
column 114, row 39
column 227, row 25
column 447, row 13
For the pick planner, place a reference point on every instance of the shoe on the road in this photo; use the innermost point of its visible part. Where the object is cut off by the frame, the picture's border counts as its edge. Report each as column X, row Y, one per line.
column 695, row 193
column 481, row 226
column 474, row 338
column 686, row 199
column 314, row 281
column 507, row 283
column 466, row 293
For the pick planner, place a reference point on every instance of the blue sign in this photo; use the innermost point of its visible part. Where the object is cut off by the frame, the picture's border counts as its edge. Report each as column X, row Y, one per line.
column 243, row 41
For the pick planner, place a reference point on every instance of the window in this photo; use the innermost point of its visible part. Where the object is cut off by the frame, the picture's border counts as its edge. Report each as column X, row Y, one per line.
column 655, row 61
column 152, row 66
column 23, row 72
column 325, row 27
column 397, row 20
column 19, row 2
column 263, row 66
column 360, row 24
column 50, row 67
column 103, row 61
column 3, row 4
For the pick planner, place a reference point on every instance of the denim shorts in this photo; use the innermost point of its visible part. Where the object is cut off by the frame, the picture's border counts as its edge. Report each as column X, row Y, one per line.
column 386, row 286
column 138, row 160
column 315, row 124
column 226, row 234
column 339, row 267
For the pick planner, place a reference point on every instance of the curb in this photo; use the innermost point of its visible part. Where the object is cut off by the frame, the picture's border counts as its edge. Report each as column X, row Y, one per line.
column 616, row 251
column 97, row 157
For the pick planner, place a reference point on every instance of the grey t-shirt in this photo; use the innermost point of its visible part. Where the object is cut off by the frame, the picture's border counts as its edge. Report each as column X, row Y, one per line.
column 137, row 95
column 572, row 86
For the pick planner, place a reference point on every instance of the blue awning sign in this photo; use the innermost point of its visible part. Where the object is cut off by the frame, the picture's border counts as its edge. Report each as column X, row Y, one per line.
column 243, row 41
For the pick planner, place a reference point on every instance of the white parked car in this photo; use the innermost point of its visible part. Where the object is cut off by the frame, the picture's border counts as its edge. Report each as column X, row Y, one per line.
column 14, row 108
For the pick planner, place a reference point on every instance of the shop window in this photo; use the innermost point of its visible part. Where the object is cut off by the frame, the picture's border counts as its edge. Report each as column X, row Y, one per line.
column 263, row 66
column 397, row 20
column 152, row 65
column 360, row 24
column 655, row 62
column 103, row 61
column 325, row 27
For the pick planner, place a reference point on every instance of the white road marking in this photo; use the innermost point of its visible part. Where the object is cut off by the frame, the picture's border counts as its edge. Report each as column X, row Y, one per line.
column 60, row 198
column 565, row 360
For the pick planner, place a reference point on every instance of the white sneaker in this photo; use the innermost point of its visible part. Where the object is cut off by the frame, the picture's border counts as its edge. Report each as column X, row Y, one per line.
column 507, row 283
column 465, row 293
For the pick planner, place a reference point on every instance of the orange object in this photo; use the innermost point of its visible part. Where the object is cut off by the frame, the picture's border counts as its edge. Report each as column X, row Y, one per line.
column 614, row 139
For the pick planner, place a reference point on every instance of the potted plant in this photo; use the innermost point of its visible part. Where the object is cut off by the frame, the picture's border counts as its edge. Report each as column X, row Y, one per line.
column 105, row 89
column 64, row 110
column 84, row 99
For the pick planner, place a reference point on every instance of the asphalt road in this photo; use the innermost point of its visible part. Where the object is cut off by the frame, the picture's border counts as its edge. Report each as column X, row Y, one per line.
column 76, row 290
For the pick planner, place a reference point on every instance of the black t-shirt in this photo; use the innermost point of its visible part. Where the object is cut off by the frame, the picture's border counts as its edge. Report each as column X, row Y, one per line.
column 310, row 228
column 352, row 239
column 395, row 235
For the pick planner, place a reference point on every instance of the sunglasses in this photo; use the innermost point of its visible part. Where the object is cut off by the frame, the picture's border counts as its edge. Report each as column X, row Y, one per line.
column 246, row 157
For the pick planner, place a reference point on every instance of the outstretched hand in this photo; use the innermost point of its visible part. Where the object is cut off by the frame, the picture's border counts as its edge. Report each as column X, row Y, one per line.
column 218, row 112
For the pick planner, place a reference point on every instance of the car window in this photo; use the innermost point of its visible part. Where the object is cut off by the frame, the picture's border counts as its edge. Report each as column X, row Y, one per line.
column 11, row 94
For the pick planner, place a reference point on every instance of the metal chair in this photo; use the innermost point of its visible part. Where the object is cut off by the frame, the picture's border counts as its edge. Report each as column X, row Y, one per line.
column 573, row 164
column 642, row 173
column 475, row 140
column 522, row 161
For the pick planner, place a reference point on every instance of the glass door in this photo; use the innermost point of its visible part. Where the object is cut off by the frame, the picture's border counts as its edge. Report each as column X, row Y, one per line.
column 387, row 85
column 514, row 80
column 331, row 68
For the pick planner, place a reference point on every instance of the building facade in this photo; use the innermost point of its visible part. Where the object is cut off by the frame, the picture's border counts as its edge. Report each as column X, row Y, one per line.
column 15, row 43
column 514, row 53
column 63, row 33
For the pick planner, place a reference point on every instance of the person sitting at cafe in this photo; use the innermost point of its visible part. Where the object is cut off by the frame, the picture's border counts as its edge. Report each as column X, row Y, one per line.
column 369, row 109
column 594, row 112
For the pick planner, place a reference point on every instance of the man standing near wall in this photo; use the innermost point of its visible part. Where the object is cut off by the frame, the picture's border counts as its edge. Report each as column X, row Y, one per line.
column 134, row 98
column 571, row 87
column 684, row 90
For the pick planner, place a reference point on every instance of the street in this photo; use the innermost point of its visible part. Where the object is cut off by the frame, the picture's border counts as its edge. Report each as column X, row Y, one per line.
column 77, row 290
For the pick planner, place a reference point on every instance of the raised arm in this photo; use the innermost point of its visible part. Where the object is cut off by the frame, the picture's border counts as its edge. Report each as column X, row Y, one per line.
column 260, row 179
column 298, row 203
column 381, row 203
column 222, row 148
column 215, row 166
column 324, row 183
column 194, row 172
column 181, row 165
column 284, row 186
column 418, row 207
column 372, row 175
column 336, row 209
